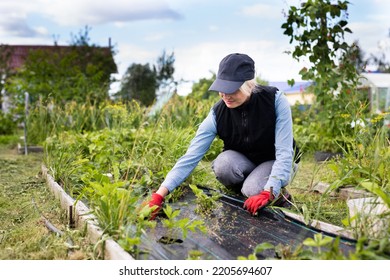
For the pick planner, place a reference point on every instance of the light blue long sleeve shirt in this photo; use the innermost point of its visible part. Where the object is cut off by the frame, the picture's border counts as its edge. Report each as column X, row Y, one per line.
column 207, row 131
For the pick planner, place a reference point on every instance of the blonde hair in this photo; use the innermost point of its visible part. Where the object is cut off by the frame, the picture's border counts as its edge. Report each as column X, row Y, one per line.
column 247, row 87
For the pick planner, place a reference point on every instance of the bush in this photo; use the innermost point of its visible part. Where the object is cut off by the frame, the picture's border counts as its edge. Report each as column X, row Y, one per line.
column 7, row 124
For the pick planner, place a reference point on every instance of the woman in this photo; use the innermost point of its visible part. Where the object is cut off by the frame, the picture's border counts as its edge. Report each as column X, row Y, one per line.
column 255, row 125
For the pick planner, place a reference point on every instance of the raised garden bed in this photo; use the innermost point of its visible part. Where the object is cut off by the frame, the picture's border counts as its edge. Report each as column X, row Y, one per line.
column 231, row 231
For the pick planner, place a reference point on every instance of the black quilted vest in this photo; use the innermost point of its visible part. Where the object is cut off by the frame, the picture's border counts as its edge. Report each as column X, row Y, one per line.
column 249, row 128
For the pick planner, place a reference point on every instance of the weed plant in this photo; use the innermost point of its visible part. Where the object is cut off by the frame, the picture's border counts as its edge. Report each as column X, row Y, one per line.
column 178, row 228
column 205, row 204
column 48, row 118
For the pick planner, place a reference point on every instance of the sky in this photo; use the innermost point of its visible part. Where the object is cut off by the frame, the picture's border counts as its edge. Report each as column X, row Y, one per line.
column 199, row 32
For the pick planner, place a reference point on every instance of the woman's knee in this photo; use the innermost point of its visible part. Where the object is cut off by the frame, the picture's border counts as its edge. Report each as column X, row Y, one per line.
column 229, row 168
column 256, row 181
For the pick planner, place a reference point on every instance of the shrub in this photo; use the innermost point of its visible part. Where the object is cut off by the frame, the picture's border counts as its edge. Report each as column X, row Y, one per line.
column 7, row 124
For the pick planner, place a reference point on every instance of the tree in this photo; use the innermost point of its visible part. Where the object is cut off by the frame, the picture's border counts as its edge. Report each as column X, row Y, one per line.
column 166, row 85
column 200, row 89
column 79, row 72
column 380, row 62
column 92, row 60
column 355, row 56
column 318, row 28
column 141, row 82
column 5, row 70
column 165, row 69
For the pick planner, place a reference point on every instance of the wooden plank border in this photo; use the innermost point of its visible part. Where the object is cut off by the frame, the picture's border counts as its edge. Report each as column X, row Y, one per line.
column 83, row 217
column 322, row 226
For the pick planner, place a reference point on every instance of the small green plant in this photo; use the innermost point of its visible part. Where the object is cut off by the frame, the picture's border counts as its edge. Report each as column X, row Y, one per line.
column 205, row 203
column 177, row 229
column 112, row 204
column 130, row 237
column 367, row 249
column 194, row 255
column 318, row 242
column 258, row 249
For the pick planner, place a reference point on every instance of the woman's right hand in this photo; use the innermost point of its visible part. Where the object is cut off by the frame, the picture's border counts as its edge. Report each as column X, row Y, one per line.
column 156, row 202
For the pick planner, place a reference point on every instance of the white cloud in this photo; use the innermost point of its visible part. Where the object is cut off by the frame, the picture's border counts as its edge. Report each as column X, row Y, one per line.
column 382, row 6
column 262, row 11
column 126, row 56
column 13, row 19
column 131, row 53
column 213, row 28
column 75, row 12
column 155, row 37
column 87, row 12
column 368, row 34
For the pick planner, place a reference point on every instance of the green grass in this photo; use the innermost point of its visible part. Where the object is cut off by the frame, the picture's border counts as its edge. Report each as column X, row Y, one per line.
column 24, row 201
column 312, row 204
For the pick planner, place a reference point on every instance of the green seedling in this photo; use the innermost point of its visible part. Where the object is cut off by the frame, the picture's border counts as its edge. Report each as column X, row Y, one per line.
column 205, row 203
column 177, row 229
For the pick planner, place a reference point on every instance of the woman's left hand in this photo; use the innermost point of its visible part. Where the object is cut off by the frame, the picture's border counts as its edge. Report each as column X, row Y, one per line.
column 255, row 203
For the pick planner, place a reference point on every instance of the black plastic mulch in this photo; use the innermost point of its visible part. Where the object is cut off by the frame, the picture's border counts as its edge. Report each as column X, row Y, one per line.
column 231, row 232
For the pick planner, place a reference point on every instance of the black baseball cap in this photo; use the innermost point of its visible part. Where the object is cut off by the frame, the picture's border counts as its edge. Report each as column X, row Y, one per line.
column 234, row 70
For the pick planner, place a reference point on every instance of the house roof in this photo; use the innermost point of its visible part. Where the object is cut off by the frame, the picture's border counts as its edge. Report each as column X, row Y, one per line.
column 376, row 79
column 287, row 89
column 18, row 53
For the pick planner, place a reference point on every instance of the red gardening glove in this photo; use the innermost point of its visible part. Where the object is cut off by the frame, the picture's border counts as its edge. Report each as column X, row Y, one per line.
column 257, row 202
column 156, row 200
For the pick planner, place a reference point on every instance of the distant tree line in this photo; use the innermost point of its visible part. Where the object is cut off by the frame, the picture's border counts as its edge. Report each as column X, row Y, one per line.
column 84, row 74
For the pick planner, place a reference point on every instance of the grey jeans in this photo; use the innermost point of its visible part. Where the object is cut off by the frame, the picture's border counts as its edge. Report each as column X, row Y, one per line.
column 237, row 172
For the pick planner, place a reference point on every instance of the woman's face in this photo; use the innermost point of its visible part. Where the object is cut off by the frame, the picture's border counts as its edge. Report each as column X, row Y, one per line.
column 235, row 99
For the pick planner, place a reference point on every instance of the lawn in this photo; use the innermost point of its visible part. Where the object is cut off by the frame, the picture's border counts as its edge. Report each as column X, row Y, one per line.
column 26, row 206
